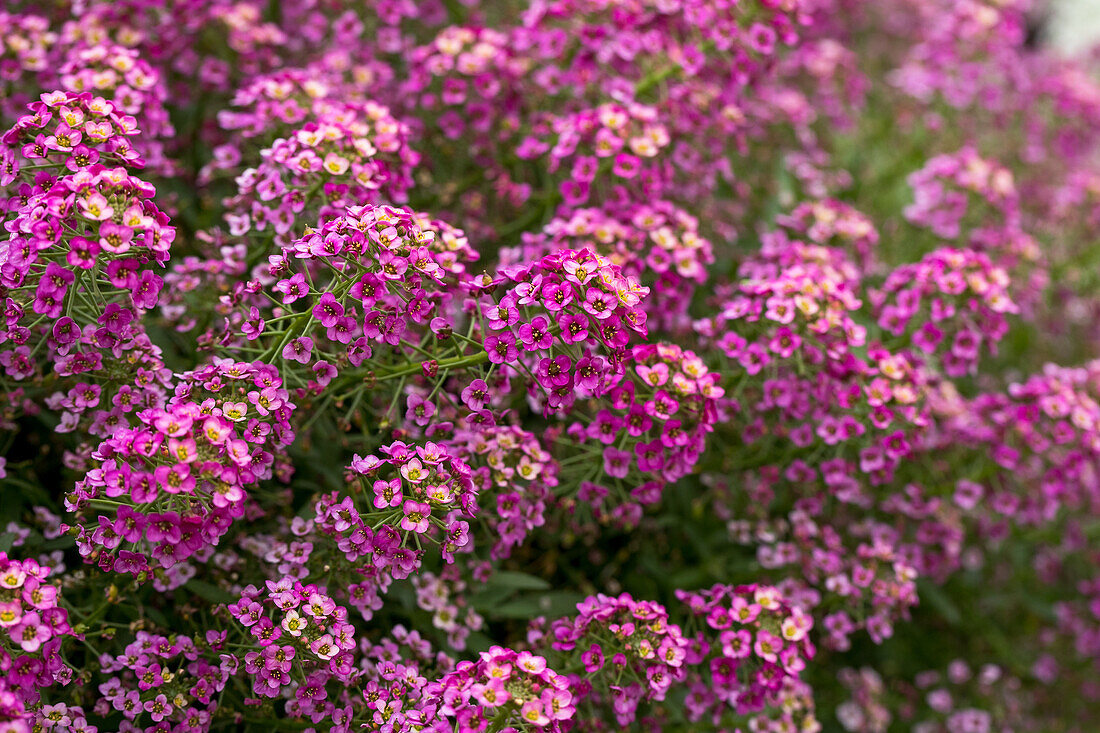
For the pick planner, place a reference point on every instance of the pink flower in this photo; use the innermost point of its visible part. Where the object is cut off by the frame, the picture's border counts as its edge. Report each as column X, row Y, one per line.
column 491, row 694
column 95, row 206
column 599, row 304
column 767, row 646
column 590, row 371
column 64, row 138
column 736, row 644
column 476, row 395
column 968, row 494
column 298, row 350
column 115, row 238
column 531, row 662
column 324, row 647
column 671, row 653
column 416, row 516
column 387, row 494
column 557, row 704
column 654, row 376
column 574, row 327
column 158, row 708
column 532, row 713
column 30, row 633
column 418, row 409
column 292, row 288
column 328, row 310
column 626, row 165
column 593, row 659
column 10, row 613
column 536, row 334
column 502, row 349
column 320, row 606
column 293, row 623
column 616, row 463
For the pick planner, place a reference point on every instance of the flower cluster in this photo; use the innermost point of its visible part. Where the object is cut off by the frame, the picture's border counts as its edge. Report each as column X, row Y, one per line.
column 442, row 595
column 631, row 640
column 654, row 426
column 174, row 484
column 83, row 232
column 468, row 77
column 571, row 314
column 135, row 88
column 658, row 243
column 162, row 679
column 421, row 490
column 33, row 625
column 960, row 299
column 760, row 648
column 348, row 154
column 25, row 51
column 506, row 689
column 869, row 587
column 957, row 699
column 832, row 223
column 612, row 138
column 300, row 636
column 793, row 297
column 510, row 464
column 944, row 190
column 376, row 277
column 345, row 342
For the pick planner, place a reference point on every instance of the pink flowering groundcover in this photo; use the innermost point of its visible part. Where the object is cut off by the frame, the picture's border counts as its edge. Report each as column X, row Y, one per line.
column 563, row 365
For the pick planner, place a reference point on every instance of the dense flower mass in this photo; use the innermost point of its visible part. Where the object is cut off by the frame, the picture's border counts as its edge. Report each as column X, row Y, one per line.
column 495, row 366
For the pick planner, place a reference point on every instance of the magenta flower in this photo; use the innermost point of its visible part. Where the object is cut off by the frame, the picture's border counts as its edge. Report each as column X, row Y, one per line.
column 536, row 334
column 555, row 372
column 292, row 288
column 63, row 139
column 502, row 348
column 416, row 516
column 328, row 310
column 298, row 349
column 30, row 633
column 574, row 327
column 590, row 371
column 418, row 409
column 476, row 394
column 115, row 238
column 81, row 158
column 491, row 694
column 593, row 659
column 616, row 463
column 626, row 165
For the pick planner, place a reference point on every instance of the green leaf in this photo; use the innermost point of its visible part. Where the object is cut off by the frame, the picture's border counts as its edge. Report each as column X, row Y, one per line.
column 210, row 592
column 517, row 581
column 157, row 617
column 7, row 539
column 939, row 601
column 478, row 642
column 58, row 543
column 552, row 605
column 490, row 597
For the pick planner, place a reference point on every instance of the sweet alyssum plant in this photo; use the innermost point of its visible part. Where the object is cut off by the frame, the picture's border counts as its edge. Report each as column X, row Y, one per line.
column 571, row 365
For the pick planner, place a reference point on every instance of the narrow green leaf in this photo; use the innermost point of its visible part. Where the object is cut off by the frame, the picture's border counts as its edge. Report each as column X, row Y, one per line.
column 551, row 605
column 940, row 601
column 517, row 581
column 210, row 592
